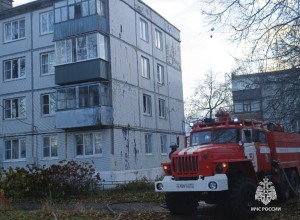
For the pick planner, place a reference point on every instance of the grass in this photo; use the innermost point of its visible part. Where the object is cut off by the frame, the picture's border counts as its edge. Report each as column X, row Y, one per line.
column 49, row 208
column 125, row 193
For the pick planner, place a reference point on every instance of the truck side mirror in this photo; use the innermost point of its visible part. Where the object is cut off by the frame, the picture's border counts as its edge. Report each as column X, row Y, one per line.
column 241, row 143
column 173, row 147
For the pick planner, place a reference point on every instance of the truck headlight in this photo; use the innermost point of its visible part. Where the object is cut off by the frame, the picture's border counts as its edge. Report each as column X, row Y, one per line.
column 159, row 186
column 212, row 185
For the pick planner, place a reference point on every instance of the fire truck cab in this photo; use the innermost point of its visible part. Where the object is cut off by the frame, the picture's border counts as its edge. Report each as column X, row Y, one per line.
column 224, row 162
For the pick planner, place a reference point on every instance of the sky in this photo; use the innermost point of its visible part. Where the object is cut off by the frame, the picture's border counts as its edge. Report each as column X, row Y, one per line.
column 200, row 52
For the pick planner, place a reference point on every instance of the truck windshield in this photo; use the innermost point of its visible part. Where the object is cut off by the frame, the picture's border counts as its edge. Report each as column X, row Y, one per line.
column 226, row 136
column 218, row 136
column 200, row 138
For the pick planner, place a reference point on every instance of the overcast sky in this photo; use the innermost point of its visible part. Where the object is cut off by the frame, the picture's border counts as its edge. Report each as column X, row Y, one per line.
column 199, row 52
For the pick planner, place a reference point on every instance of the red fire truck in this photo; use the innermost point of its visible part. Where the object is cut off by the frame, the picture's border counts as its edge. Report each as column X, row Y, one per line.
column 226, row 160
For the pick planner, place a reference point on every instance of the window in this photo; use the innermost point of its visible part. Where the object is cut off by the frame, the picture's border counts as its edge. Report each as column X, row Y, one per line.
column 46, row 22
column 162, row 108
column 14, row 30
column 163, row 144
column 78, row 9
column 247, row 136
column 221, row 136
column 148, row 144
column 14, row 108
column 145, row 67
column 89, row 96
column 158, row 39
column 259, row 136
column 147, row 106
column 88, row 144
column 82, row 48
column 238, row 107
column 160, row 74
column 143, row 30
column 47, row 63
column 247, row 106
column 50, row 146
column 82, row 97
column 48, row 104
column 255, row 106
column 101, row 8
column 66, row 98
column 15, row 149
column 14, row 69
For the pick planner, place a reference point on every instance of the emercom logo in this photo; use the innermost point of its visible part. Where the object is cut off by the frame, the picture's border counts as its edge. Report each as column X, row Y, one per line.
column 265, row 192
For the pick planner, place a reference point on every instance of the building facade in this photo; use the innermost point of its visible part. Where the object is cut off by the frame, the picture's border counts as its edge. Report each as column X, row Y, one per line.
column 90, row 80
column 270, row 97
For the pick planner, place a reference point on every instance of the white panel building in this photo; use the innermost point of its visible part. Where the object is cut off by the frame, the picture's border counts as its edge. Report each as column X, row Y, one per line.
column 89, row 80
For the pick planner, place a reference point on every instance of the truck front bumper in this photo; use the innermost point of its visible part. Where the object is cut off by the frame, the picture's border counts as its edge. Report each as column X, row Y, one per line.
column 218, row 182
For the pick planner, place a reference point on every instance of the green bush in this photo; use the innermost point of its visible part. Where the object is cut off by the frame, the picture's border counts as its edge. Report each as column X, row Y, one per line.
column 58, row 180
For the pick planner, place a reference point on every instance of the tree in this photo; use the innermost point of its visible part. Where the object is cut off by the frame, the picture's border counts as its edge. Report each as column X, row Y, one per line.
column 209, row 95
column 268, row 29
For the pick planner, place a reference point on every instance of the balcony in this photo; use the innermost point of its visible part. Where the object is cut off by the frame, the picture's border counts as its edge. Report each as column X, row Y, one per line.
column 79, row 26
column 83, row 105
column 85, row 117
column 84, row 71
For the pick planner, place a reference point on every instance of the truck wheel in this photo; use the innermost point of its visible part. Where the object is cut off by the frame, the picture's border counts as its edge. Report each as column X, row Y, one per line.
column 294, row 181
column 242, row 197
column 182, row 203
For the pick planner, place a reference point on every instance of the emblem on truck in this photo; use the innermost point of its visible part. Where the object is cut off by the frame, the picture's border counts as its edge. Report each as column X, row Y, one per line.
column 265, row 192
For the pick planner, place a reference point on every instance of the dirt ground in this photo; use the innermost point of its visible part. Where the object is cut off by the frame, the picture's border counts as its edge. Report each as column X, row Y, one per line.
column 290, row 210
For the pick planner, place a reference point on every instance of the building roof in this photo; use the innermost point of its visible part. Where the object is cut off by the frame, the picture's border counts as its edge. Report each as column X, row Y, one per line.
column 262, row 74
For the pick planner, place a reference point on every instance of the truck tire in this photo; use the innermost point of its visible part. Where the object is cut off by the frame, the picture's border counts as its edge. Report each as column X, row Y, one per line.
column 181, row 203
column 242, row 196
column 294, row 181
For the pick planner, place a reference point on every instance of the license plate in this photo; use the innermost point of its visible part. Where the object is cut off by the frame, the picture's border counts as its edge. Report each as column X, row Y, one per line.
column 185, row 186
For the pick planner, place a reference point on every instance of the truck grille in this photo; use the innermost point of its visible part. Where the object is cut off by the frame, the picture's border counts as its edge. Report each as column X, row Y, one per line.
column 185, row 164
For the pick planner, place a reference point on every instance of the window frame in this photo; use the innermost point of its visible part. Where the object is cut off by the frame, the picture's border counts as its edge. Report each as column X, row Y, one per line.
column 163, row 144
column 145, row 67
column 148, row 138
column 67, row 51
column 20, row 75
column 160, row 74
column 63, row 98
column 162, row 108
column 12, row 109
column 158, row 39
column 51, row 147
column 20, row 145
column 84, row 143
column 10, row 23
column 75, row 10
column 144, row 32
column 49, row 22
column 247, row 106
column 51, row 104
column 147, row 105
column 50, row 64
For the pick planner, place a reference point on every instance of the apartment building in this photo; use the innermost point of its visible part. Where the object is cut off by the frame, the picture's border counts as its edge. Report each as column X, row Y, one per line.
column 269, row 96
column 89, row 80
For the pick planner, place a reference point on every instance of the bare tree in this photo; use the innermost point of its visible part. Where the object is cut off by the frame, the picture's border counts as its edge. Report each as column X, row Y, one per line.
column 270, row 32
column 209, row 95
column 268, row 29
